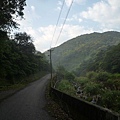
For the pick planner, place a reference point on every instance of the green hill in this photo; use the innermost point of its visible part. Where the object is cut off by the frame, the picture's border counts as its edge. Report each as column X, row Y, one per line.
column 73, row 52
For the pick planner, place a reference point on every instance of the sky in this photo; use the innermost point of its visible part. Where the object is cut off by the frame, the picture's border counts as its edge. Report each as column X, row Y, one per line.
column 85, row 16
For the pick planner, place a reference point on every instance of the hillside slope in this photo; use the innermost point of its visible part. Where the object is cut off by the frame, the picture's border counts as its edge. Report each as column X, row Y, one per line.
column 73, row 52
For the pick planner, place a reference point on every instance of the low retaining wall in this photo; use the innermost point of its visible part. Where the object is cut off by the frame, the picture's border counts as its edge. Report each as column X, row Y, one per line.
column 82, row 110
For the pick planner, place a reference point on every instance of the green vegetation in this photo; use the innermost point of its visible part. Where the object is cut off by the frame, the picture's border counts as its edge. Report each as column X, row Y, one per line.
column 104, row 86
column 65, row 78
column 105, row 60
column 98, row 79
column 4, row 85
column 66, row 87
column 10, row 10
column 104, row 92
column 19, row 59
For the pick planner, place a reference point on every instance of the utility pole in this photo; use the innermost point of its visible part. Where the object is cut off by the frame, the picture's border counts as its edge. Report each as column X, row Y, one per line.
column 51, row 62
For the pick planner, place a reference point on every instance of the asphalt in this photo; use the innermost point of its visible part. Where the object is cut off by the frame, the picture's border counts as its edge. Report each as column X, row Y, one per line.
column 27, row 104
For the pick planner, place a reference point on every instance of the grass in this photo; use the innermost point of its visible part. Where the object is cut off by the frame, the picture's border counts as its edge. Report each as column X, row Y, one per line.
column 4, row 85
column 7, row 90
column 66, row 87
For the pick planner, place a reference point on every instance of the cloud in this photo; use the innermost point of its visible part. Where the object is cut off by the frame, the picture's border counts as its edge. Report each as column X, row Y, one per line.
column 104, row 12
column 32, row 8
column 59, row 3
column 43, row 35
column 30, row 17
column 74, row 18
column 68, row 2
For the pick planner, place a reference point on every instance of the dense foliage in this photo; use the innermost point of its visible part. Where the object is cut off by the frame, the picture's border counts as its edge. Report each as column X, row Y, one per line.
column 98, row 79
column 101, row 88
column 105, row 60
column 62, row 73
column 64, row 78
column 9, row 11
column 76, row 51
column 19, row 58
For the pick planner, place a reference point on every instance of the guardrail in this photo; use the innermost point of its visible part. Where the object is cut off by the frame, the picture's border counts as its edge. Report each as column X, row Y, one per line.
column 82, row 110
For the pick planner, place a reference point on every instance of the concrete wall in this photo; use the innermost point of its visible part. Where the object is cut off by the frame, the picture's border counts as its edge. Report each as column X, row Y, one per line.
column 82, row 110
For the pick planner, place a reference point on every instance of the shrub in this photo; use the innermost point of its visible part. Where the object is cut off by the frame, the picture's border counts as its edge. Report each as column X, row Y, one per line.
column 91, row 75
column 111, row 100
column 103, row 76
column 92, row 88
column 82, row 80
column 116, row 75
column 66, row 86
column 69, row 76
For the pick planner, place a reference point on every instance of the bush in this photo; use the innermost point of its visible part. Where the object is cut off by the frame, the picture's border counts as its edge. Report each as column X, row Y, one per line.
column 66, row 87
column 92, row 88
column 82, row 80
column 69, row 76
column 91, row 75
column 103, row 76
column 116, row 75
column 111, row 100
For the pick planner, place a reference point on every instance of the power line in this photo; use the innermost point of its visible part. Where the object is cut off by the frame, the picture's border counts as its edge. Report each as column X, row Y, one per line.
column 57, row 22
column 60, row 31
column 64, row 21
column 51, row 64
column 53, row 38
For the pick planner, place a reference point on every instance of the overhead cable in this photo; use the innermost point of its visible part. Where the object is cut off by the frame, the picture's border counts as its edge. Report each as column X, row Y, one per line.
column 64, row 21
column 57, row 22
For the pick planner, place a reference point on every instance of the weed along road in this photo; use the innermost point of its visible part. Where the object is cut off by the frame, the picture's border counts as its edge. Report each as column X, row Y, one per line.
column 27, row 104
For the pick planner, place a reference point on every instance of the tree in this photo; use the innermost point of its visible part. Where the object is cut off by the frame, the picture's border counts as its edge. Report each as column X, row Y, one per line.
column 69, row 76
column 111, row 62
column 18, row 58
column 4, row 48
column 9, row 11
column 110, row 99
column 61, row 72
column 3, row 39
column 92, row 88
column 24, row 43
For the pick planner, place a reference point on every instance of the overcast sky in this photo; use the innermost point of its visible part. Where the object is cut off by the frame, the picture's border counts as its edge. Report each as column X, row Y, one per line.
column 86, row 16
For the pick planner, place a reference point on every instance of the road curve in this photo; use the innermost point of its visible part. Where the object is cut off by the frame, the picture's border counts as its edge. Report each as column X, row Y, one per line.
column 27, row 104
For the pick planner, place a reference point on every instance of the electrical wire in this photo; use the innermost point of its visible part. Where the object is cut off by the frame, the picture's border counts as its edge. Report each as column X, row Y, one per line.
column 57, row 23
column 60, row 30
column 64, row 21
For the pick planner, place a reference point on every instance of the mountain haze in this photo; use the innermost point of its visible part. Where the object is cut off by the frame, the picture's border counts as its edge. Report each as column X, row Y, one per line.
column 73, row 52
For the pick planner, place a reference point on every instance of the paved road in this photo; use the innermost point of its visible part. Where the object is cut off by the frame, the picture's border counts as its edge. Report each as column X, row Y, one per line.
column 27, row 104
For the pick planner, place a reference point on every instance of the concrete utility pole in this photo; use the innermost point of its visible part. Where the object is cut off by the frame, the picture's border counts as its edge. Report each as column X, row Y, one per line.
column 51, row 62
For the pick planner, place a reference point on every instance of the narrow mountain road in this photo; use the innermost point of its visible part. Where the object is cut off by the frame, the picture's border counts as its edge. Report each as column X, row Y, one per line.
column 27, row 104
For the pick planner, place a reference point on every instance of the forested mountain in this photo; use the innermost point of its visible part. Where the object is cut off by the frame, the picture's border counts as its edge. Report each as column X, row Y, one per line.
column 77, row 50
column 105, row 60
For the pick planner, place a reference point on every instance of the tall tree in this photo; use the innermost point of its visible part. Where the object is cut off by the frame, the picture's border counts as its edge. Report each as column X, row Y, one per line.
column 24, row 43
column 9, row 11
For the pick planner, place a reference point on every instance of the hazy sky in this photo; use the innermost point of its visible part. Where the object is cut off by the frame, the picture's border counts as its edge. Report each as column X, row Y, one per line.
column 85, row 16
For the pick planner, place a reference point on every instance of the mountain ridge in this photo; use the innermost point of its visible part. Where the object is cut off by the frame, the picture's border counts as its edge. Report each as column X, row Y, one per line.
column 73, row 52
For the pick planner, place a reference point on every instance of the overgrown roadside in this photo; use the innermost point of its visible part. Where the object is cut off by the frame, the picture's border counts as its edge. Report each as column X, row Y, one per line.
column 9, row 90
column 54, row 108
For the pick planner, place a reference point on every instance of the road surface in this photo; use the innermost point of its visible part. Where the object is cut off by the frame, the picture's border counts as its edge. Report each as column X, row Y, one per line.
column 27, row 104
